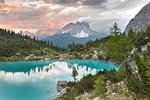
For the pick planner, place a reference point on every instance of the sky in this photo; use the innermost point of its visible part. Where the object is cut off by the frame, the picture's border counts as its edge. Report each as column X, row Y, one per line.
column 45, row 17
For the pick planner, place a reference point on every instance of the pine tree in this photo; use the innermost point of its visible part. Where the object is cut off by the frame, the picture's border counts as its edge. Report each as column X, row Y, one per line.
column 99, row 88
column 73, row 94
column 143, row 65
column 73, row 45
column 148, row 30
column 51, row 45
column 74, row 74
column 34, row 38
column 131, row 35
column 115, row 30
column 48, row 42
column 70, row 47
column 119, row 48
column 44, row 42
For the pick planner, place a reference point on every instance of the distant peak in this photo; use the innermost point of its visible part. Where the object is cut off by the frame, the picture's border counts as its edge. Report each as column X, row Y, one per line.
column 77, row 22
column 81, row 22
column 78, row 29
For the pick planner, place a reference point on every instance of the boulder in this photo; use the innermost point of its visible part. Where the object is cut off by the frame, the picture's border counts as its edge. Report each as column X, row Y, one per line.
column 61, row 85
column 49, row 91
column 94, row 57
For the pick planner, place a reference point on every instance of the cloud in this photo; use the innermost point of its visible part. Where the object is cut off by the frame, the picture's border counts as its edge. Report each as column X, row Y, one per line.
column 56, row 69
column 75, row 2
column 102, row 18
column 32, row 15
column 92, row 2
column 17, row 16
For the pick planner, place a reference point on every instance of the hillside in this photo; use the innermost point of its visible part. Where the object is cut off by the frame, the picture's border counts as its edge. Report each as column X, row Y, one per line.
column 15, row 46
column 130, row 52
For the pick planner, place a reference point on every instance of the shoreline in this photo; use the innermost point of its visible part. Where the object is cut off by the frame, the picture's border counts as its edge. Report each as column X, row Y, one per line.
column 113, row 63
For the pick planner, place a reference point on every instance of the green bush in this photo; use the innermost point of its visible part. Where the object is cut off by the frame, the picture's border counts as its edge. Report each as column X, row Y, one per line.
column 100, row 57
column 115, row 76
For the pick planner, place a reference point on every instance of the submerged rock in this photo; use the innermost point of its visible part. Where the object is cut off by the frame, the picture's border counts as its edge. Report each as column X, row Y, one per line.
column 49, row 91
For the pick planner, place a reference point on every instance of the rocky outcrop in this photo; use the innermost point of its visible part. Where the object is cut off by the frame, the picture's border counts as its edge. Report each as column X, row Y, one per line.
column 61, row 88
column 141, row 21
column 95, row 56
column 61, row 85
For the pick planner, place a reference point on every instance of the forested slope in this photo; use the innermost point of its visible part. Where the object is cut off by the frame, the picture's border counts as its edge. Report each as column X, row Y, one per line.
column 18, row 46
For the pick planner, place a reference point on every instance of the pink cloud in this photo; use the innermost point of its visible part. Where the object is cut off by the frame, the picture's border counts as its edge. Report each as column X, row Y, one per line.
column 16, row 16
column 32, row 15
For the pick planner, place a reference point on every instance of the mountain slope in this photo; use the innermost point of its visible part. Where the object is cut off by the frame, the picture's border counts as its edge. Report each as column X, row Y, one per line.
column 77, row 33
column 141, row 20
column 15, row 47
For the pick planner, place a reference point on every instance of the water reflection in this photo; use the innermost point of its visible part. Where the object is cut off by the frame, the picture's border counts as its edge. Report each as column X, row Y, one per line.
column 53, row 71
column 30, row 80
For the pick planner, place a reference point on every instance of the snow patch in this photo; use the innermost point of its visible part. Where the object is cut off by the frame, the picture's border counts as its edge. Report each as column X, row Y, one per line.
column 82, row 34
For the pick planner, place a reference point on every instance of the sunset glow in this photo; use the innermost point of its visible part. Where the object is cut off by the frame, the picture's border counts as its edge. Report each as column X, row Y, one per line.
column 31, row 16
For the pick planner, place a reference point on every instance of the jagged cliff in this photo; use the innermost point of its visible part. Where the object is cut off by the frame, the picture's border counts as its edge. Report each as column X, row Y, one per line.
column 141, row 21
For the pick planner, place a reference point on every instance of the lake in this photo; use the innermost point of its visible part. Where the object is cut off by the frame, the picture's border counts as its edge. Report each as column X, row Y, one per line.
column 31, row 80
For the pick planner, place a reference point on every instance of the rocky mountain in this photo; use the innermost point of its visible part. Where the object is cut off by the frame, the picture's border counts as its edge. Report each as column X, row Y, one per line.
column 42, row 33
column 79, row 32
column 141, row 21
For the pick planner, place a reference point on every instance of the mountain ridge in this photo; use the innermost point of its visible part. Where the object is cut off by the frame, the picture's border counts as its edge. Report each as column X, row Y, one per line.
column 76, row 28
column 141, row 20
column 79, row 32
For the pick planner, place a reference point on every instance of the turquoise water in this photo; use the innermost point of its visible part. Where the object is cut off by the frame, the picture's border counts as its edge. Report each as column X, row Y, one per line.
column 31, row 80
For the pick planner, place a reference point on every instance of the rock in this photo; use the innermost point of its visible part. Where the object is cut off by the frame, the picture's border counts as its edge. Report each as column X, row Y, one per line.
column 61, row 85
column 134, row 49
column 94, row 57
column 49, row 91
column 101, row 52
column 61, row 59
column 95, row 52
column 46, row 59
column 27, row 58
column 141, row 20
column 113, row 93
column 144, row 48
column 61, row 88
column 62, row 92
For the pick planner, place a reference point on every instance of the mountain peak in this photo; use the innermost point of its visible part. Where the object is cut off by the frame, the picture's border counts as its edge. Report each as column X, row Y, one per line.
column 83, row 23
column 141, row 21
column 78, row 22
column 78, row 29
column 78, row 32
